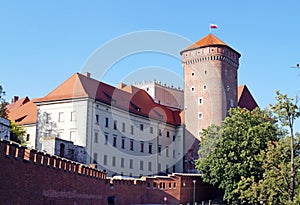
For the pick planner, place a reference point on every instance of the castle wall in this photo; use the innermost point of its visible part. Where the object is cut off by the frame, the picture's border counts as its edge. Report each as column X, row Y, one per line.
column 32, row 177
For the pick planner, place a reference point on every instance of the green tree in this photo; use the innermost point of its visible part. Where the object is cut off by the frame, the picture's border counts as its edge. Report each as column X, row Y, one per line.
column 273, row 188
column 286, row 112
column 243, row 135
column 17, row 133
column 3, row 103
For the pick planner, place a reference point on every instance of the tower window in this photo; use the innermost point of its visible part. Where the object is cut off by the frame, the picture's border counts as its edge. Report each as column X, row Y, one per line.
column 205, row 72
column 192, row 88
column 200, row 115
column 204, row 87
column 200, row 100
column 193, row 73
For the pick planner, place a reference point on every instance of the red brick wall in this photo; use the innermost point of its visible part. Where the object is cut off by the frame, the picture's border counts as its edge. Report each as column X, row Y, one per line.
column 31, row 177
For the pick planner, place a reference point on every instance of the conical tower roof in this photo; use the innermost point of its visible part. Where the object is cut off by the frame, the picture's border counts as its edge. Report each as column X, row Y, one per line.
column 209, row 40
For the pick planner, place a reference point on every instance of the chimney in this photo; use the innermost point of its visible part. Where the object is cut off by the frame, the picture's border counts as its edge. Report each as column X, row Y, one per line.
column 16, row 98
column 87, row 74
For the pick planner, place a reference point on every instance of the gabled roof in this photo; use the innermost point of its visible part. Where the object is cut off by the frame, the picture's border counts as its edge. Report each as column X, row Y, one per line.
column 23, row 113
column 133, row 100
column 18, row 103
column 209, row 40
column 245, row 99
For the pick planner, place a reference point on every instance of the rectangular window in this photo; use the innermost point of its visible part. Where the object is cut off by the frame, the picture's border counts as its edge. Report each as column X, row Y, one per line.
column 200, row 100
column 174, row 153
column 27, row 137
column 106, row 138
column 168, row 134
column 150, row 166
column 61, row 117
column 159, row 149
column 131, row 145
column 95, row 158
column 115, row 125
column 174, row 170
column 141, row 127
column 159, row 132
column 174, row 138
column 200, row 115
column 122, row 162
column 73, row 116
column 106, row 122
column 167, row 151
column 123, row 143
column 142, row 147
column 97, row 119
column 150, row 148
column 72, row 136
column 131, row 129
column 141, row 165
column 167, row 169
column 151, row 130
column 123, row 127
column 159, row 167
column 105, row 160
column 131, row 164
column 113, row 161
column 115, row 141
column 96, row 137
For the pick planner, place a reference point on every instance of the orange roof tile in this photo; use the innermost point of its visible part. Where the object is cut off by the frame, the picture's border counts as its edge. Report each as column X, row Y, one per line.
column 25, row 114
column 245, row 99
column 18, row 103
column 131, row 99
column 209, row 40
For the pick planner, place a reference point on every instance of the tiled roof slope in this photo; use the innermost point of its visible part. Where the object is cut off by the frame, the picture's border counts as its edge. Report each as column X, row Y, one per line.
column 23, row 113
column 209, row 40
column 137, row 101
column 245, row 99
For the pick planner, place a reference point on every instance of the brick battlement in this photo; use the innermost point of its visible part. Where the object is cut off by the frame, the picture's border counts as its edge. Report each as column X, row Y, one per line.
column 12, row 150
column 32, row 177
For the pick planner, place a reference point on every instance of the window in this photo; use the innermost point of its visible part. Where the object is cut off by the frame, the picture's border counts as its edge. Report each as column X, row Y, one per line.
column 142, row 147
column 167, row 169
column 149, row 166
column 151, row 130
column 174, row 184
column 159, row 149
column 193, row 73
column 170, row 185
column 141, row 165
column 61, row 117
column 174, row 170
column 131, row 145
column 95, row 158
column 113, row 161
column 159, row 132
column 106, row 122
column 150, row 148
column 174, row 153
column 115, row 141
column 204, row 87
column 159, row 167
column 131, row 164
column 72, row 136
column 192, row 88
column 27, row 137
column 97, row 119
column 105, row 160
column 73, row 116
column 154, row 185
column 167, row 151
column 123, row 143
column 96, row 137
column 141, row 127
column 200, row 115
column 131, row 129
column 115, row 124
column 174, row 138
column 122, row 162
column 123, row 127
column 168, row 134
column 106, row 138
column 47, row 117
column 200, row 100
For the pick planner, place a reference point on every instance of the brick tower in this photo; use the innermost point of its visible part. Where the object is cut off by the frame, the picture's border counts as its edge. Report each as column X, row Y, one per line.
column 210, row 76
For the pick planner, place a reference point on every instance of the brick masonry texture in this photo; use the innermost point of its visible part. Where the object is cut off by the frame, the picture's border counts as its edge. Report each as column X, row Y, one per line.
column 31, row 177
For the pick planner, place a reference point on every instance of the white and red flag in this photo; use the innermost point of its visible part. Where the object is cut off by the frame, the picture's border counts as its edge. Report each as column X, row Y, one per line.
column 213, row 26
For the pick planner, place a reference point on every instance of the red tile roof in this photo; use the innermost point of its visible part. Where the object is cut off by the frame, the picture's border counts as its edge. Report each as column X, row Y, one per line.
column 245, row 99
column 209, row 40
column 23, row 112
column 130, row 99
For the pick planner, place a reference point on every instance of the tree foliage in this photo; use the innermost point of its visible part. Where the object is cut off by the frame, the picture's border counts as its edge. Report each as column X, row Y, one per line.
column 241, row 138
column 17, row 133
column 3, row 103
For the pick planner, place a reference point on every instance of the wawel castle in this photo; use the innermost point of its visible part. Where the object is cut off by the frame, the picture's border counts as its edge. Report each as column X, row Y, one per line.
column 136, row 130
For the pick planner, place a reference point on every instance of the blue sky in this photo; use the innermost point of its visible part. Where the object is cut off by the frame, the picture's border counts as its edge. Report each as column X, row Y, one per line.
column 44, row 43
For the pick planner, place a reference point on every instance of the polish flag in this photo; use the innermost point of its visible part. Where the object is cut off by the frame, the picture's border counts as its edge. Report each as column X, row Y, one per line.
column 213, row 26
